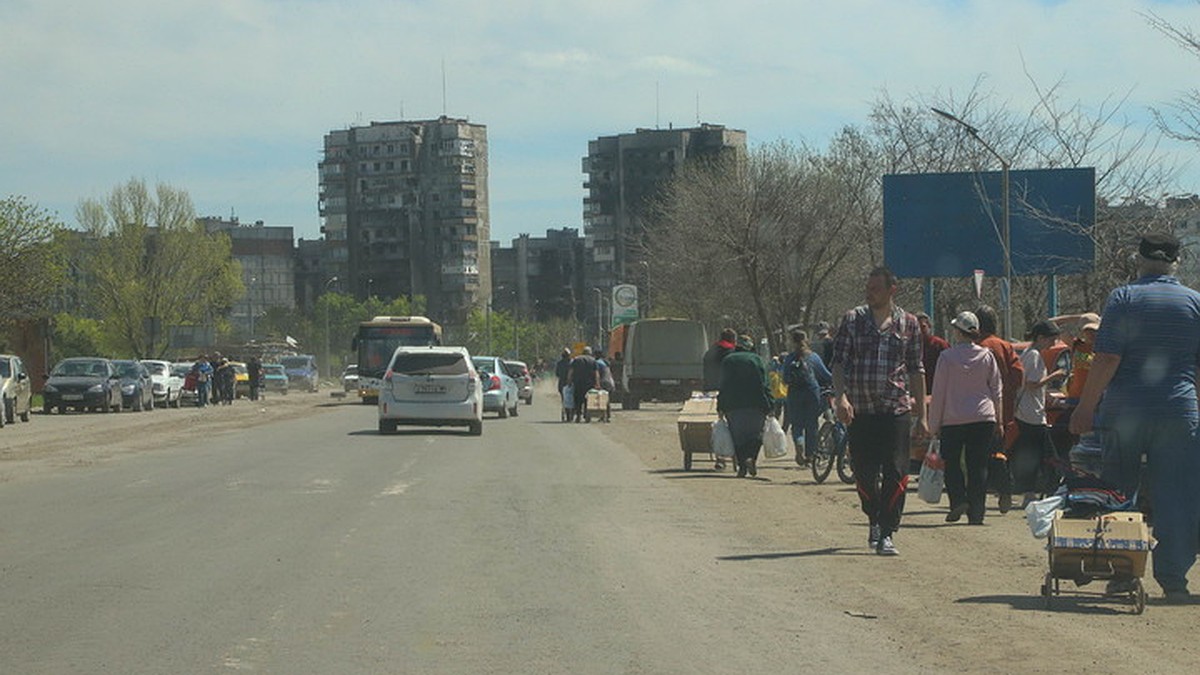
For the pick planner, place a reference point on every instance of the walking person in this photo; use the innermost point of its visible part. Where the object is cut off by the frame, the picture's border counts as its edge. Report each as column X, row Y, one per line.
column 963, row 412
column 805, row 375
column 1145, row 360
column 1012, row 378
column 204, row 376
column 745, row 401
column 878, row 379
column 1033, row 446
column 713, row 357
column 585, row 375
column 254, row 371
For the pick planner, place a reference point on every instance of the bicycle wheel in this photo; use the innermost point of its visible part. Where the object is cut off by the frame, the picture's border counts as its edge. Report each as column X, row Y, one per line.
column 822, row 460
column 845, row 468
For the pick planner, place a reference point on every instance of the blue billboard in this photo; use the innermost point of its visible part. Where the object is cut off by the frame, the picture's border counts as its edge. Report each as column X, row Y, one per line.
column 951, row 224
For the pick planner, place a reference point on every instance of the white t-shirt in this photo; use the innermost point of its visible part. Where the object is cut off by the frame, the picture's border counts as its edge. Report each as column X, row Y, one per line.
column 1031, row 403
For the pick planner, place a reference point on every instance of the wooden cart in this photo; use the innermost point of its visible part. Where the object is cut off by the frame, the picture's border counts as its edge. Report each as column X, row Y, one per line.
column 695, row 428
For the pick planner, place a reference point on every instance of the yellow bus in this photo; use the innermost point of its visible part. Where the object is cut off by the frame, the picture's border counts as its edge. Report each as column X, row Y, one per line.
column 378, row 338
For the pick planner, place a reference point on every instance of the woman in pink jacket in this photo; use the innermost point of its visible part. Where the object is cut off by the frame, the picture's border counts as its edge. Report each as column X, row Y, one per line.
column 963, row 413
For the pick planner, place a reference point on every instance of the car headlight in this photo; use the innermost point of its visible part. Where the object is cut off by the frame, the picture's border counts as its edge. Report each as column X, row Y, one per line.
column 127, row 389
column 95, row 389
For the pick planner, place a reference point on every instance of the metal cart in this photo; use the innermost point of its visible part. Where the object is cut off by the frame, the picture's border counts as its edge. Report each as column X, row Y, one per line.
column 1108, row 547
column 695, row 428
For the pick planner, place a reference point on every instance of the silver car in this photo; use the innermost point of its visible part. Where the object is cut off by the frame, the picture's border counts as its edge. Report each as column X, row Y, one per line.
column 500, row 391
column 16, row 391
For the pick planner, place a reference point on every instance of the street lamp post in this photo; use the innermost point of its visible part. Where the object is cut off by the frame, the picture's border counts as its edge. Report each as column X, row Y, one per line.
column 1005, row 232
column 328, row 361
column 250, row 302
column 599, row 312
column 645, row 264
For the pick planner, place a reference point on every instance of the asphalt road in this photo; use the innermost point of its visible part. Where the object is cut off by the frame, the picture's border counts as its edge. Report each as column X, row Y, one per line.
column 315, row 545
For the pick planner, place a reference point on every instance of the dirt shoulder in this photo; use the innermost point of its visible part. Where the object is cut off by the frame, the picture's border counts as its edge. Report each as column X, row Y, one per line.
column 958, row 598
column 49, row 442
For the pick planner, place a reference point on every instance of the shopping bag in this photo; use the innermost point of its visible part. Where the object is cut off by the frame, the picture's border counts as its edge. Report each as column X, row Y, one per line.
column 776, row 443
column 1040, row 515
column 932, row 478
column 568, row 397
column 722, row 439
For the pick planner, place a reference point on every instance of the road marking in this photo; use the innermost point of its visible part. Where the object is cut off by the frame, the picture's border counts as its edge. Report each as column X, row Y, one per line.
column 395, row 489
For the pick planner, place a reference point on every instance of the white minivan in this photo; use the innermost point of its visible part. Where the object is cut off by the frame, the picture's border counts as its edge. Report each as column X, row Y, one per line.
column 431, row 386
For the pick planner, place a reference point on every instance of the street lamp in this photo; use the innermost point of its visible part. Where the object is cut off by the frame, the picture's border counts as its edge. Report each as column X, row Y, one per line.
column 645, row 264
column 599, row 313
column 1006, row 233
column 328, row 362
column 250, row 302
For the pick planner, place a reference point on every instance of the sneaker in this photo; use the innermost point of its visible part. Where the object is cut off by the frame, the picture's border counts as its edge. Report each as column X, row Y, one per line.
column 741, row 469
column 719, row 465
column 956, row 513
column 873, row 537
column 1005, row 503
column 886, row 547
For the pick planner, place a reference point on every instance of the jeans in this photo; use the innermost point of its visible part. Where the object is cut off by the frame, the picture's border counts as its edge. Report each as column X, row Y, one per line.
column 1172, row 450
column 201, row 394
column 804, row 414
column 879, row 454
column 969, row 442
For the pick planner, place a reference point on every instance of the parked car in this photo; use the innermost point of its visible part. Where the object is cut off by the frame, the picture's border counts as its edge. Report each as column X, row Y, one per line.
column 434, row 386
column 241, row 380
column 82, row 383
column 350, row 378
column 16, row 391
column 137, row 389
column 274, row 378
column 167, row 386
column 301, row 370
column 181, row 369
column 520, row 372
column 500, row 391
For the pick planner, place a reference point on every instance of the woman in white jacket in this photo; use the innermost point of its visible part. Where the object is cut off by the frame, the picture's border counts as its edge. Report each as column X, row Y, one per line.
column 963, row 414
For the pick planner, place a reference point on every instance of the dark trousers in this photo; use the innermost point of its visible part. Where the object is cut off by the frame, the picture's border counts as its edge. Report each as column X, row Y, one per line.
column 580, row 389
column 879, row 454
column 1028, row 458
column 746, row 427
column 964, row 448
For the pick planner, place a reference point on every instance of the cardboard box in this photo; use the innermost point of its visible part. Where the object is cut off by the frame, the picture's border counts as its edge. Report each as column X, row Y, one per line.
column 695, row 424
column 597, row 400
column 1113, row 544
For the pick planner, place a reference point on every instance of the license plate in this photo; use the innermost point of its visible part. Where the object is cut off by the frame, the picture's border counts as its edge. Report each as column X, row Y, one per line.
column 72, row 397
column 670, row 381
column 429, row 389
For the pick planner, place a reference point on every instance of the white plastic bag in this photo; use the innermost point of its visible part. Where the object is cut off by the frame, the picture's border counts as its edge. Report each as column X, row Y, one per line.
column 722, row 439
column 776, row 443
column 1040, row 515
column 932, row 478
column 568, row 396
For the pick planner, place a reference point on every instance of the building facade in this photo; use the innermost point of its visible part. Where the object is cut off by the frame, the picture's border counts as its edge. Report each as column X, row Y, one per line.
column 540, row 277
column 405, row 212
column 268, row 260
column 624, row 173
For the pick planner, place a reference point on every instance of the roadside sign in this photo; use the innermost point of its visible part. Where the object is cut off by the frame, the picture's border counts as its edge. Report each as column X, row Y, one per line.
column 624, row 304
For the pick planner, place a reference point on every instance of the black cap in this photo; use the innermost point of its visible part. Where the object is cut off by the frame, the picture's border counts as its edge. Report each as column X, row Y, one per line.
column 1159, row 246
column 1042, row 329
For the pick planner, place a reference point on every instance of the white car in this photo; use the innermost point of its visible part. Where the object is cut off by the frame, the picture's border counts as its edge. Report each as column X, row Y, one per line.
column 350, row 378
column 16, row 390
column 166, row 384
column 431, row 386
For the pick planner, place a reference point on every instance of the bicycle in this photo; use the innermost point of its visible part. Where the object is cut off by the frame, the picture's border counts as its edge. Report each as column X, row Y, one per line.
column 833, row 449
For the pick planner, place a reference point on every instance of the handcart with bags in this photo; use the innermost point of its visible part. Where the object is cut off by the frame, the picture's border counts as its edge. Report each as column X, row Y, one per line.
column 1093, row 534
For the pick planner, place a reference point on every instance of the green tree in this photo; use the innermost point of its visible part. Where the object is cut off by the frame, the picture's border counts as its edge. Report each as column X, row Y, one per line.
column 150, row 265
column 32, row 270
column 76, row 336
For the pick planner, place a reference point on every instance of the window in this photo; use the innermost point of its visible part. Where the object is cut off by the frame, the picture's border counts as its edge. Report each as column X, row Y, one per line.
column 430, row 364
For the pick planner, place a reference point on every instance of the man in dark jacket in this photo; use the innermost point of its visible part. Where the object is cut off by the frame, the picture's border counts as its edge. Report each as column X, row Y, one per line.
column 584, row 375
column 713, row 357
column 745, row 401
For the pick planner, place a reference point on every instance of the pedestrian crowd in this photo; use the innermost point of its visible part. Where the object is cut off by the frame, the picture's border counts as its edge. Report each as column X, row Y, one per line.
column 1004, row 420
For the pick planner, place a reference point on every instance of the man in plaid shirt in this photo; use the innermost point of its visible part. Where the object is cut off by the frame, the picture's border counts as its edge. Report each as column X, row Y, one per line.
column 876, row 365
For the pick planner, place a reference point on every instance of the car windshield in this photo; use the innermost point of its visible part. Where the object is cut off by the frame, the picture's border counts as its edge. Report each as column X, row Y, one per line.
column 294, row 361
column 180, row 371
column 430, row 364
column 273, row 369
column 156, row 368
column 4, row 369
column 80, row 369
column 128, row 369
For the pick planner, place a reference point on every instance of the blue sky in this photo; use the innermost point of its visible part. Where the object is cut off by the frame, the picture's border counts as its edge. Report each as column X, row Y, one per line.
column 230, row 99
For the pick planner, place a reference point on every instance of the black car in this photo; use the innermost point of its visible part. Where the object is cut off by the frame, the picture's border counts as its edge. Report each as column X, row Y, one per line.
column 82, row 383
column 137, row 387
